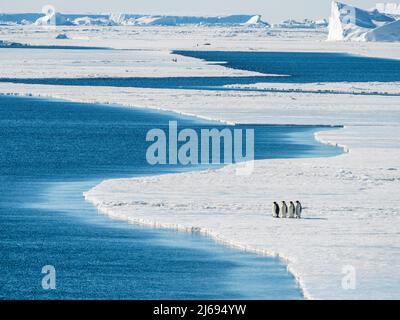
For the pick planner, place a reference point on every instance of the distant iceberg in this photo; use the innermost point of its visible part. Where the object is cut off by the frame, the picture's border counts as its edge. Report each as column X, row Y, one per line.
column 128, row 19
column 53, row 19
column 18, row 18
column 304, row 24
column 349, row 23
column 155, row 20
column 92, row 21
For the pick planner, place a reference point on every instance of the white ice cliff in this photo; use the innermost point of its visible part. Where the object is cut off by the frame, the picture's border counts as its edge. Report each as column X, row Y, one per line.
column 351, row 23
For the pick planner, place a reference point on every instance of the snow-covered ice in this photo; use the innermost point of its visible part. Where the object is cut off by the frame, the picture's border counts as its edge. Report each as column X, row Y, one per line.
column 351, row 215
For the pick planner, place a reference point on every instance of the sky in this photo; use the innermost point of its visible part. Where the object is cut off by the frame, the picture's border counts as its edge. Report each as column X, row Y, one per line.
column 271, row 10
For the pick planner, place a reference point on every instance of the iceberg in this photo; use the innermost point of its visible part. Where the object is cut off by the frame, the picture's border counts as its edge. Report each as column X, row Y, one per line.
column 191, row 20
column 91, row 21
column 18, row 18
column 349, row 23
column 121, row 19
column 305, row 24
column 53, row 19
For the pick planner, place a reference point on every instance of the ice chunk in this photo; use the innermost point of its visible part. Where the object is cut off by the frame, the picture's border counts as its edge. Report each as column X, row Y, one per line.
column 62, row 36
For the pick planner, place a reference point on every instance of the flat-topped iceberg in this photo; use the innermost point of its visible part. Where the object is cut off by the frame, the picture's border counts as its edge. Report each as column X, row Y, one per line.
column 128, row 19
column 352, row 23
column 192, row 20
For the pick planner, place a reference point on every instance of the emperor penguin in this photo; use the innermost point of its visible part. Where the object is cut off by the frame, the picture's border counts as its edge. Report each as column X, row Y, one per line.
column 275, row 210
column 292, row 210
column 284, row 209
column 299, row 209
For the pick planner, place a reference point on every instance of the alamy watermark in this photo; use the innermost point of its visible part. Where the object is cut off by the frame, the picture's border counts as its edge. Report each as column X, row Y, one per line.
column 189, row 147
column 49, row 278
column 49, row 20
column 349, row 280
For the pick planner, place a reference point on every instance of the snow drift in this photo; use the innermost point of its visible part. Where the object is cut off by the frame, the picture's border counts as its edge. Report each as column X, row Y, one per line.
column 352, row 23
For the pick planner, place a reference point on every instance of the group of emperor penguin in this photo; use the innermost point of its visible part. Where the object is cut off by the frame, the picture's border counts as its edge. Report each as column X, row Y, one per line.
column 294, row 210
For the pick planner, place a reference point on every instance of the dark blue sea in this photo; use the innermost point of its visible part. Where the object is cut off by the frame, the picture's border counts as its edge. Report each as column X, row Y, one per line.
column 52, row 151
column 305, row 67
column 295, row 67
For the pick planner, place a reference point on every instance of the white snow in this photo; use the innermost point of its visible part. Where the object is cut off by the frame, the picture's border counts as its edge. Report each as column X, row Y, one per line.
column 322, row 23
column 352, row 23
column 351, row 201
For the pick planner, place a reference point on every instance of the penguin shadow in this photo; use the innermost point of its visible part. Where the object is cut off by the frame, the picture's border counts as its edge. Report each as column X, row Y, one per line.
column 313, row 218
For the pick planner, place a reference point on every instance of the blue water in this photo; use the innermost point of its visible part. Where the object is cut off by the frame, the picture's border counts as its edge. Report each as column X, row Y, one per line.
column 305, row 67
column 298, row 67
column 52, row 151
